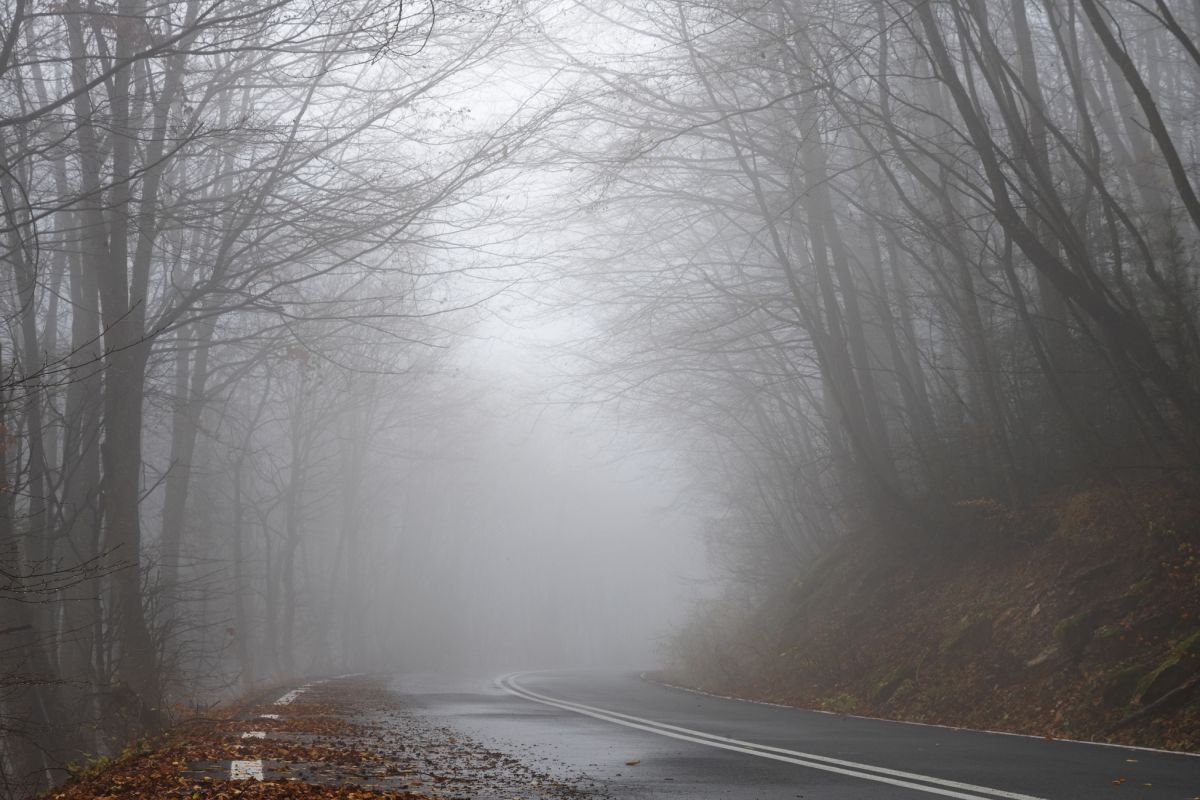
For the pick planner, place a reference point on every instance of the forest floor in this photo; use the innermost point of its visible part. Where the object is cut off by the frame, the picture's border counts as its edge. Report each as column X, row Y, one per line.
column 1078, row 618
column 347, row 738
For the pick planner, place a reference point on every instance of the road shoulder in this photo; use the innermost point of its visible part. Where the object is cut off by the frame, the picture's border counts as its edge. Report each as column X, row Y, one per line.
column 345, row 737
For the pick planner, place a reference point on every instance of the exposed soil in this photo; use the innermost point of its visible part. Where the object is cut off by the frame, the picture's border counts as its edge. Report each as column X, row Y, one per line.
column 1078, row 618
column 346, row 738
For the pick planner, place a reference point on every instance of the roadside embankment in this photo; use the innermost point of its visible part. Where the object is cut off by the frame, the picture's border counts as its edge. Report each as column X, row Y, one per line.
column 1076, row 618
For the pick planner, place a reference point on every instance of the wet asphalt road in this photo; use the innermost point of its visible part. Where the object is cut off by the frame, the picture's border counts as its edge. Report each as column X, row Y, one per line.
column 585, row 725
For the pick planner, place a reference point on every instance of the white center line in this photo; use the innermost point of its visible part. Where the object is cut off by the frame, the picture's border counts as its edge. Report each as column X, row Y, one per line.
column 268, row 716
column 254, row 735
column 245, row 770
column 908, row 780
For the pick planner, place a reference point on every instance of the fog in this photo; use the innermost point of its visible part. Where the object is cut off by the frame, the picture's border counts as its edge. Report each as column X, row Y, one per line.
column 345, row 335
column 536, row 533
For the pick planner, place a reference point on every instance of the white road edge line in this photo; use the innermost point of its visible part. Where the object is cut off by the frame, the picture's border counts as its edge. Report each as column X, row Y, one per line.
column 1116, row 745
column 245, row 770
column 930, row 784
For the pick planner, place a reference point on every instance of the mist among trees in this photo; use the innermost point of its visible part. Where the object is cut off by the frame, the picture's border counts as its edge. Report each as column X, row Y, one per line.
column 799, row 269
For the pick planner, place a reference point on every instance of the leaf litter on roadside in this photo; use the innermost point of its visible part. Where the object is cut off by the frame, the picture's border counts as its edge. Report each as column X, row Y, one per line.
column 343, row 740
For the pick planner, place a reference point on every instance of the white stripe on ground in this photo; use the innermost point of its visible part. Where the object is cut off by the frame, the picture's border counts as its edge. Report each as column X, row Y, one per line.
column 292, row 695
column 245, row 770
column 648, row 679
column 254, row 735
column 909, row 780
column 268, row 716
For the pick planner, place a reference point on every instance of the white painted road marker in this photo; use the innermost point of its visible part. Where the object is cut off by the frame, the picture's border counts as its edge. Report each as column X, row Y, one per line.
column 245, row 770
column 292, row 695
column 254, row 735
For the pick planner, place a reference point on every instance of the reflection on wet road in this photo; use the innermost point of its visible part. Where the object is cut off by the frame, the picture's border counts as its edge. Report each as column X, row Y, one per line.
column 639, row 739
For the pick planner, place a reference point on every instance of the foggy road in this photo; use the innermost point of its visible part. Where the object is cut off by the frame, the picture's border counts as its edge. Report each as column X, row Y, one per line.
column 692, row 745
column 835, row 350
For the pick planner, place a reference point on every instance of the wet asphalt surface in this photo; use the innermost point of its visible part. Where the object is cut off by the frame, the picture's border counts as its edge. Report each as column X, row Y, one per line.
column 354, row 732
column 592, row 754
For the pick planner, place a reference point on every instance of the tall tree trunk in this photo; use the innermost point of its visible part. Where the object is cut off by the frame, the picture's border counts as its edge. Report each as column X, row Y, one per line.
column 1053, row 317
column 81, row 492
column 241, row 614
column 22, row 658
column 191, row 379
column 123, row 306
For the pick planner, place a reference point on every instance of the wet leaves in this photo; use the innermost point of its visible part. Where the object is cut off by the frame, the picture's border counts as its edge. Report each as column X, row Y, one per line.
column 313, row 725
column 348, row 740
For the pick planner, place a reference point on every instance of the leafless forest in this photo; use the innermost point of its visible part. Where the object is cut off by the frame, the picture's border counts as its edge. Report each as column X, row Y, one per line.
column 840, row 261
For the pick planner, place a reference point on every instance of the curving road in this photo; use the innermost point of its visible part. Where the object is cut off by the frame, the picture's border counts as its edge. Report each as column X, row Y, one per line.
column 685, row 744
